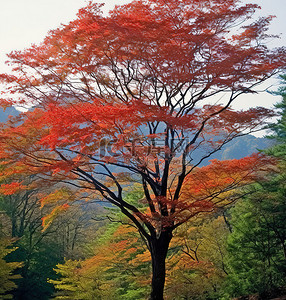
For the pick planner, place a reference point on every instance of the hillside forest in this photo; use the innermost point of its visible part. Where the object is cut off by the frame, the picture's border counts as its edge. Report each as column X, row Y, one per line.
column 128, row 174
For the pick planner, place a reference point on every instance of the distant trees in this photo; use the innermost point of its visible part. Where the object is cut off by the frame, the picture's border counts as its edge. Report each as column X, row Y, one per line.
column 197, row 260
column 38, row 251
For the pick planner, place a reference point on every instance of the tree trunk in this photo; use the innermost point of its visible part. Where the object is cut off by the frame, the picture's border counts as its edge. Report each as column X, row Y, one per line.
column 159, row 248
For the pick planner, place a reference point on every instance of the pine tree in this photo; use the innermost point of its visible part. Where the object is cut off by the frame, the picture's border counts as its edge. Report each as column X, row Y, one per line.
column 257, row 245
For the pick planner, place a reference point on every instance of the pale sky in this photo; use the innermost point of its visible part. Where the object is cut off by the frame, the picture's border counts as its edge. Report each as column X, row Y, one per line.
column 23, row 22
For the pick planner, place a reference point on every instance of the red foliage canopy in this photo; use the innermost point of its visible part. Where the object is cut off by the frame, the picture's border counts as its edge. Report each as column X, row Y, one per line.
column 131, row 92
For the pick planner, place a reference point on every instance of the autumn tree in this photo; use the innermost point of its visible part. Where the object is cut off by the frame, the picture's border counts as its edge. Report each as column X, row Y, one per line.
column 133, row 96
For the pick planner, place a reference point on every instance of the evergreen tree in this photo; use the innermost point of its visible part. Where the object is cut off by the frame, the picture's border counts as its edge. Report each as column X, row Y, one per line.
column 7, row 276
column 279, row 128
column 257, row 245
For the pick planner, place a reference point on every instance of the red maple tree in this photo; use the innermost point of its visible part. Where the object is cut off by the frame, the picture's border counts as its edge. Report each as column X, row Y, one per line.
column 132, row 96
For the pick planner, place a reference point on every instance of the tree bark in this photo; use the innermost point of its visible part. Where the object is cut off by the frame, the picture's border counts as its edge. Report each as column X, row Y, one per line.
column 159, row 247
